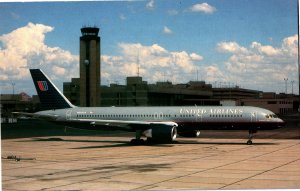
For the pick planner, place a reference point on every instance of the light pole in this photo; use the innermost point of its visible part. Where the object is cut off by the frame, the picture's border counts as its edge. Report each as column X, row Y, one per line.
column 292, row 86
column 285, row 79
column 13, row 87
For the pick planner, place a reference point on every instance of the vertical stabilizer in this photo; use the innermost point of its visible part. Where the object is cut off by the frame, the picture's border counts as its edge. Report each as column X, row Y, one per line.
column 50, row 96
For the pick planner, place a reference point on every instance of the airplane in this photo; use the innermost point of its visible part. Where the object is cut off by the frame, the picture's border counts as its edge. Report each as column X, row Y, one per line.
column 157, row 124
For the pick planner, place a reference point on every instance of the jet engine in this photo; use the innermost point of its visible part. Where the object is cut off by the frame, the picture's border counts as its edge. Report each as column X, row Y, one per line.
column 162, row 133
column 195, row 133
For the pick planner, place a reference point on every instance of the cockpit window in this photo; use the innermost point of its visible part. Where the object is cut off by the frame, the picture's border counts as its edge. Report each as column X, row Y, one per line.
column 274, row 116
column 271, row 116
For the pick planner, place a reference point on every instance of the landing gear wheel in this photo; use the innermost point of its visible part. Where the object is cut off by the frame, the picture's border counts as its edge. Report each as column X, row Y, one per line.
column 251, row 132
column 137, row 142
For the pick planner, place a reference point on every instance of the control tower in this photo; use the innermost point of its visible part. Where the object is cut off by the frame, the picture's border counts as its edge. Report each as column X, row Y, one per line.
column 89, row 67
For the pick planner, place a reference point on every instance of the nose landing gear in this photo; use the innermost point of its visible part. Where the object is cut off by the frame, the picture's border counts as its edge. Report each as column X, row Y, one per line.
column 250, row 137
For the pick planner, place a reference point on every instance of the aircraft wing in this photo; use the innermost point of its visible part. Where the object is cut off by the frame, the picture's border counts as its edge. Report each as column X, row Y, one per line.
column 125, row 124
column 37, row 116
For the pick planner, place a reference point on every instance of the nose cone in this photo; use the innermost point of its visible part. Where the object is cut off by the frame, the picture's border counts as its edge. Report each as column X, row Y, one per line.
column 280, row 123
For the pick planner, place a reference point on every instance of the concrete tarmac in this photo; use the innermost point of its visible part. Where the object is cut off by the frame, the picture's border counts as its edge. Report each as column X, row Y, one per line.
column 111, row 163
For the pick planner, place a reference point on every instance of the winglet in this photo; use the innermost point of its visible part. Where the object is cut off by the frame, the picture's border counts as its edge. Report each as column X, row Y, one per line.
column 50, row 96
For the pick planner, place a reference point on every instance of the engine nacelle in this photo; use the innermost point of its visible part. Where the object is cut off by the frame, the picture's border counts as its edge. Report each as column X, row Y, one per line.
column 161, row 133
column 195, row 133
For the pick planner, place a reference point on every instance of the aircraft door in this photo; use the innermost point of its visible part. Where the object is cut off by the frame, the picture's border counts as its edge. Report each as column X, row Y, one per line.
column 158, row 115
column 68, row 114
column 199, row 117
column 254, row 116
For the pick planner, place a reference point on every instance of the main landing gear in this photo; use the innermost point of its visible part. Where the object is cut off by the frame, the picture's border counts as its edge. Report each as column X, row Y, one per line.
column 251, row 132
column 137, row 140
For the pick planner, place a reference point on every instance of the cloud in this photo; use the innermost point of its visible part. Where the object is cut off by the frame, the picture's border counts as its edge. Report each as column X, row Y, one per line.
column 230, row 47
column 172, row 12
column 203, row 8
column 261, row 66
column 265, row 50
column 150, row 5
column 155, row 63
column 167, row 30
column 213, row 73
column 290, row 45
column 196, row 57
column 59, row 70
column 25, row 48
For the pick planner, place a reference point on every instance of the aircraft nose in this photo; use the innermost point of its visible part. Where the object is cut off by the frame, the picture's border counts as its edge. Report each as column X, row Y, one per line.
column 281, row 123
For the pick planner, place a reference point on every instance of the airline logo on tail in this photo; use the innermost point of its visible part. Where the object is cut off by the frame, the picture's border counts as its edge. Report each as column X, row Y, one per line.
column 43, row 86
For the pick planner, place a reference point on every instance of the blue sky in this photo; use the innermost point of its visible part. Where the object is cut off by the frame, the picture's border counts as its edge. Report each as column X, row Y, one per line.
column 238, row 42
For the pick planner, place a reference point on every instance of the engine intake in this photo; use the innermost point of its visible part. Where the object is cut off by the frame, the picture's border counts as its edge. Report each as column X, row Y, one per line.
column 195, row 133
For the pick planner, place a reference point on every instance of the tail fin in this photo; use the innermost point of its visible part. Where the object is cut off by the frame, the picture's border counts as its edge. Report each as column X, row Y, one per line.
column 50, row 96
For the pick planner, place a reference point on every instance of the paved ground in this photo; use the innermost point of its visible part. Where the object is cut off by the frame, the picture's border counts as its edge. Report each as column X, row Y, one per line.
column 110, row 163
